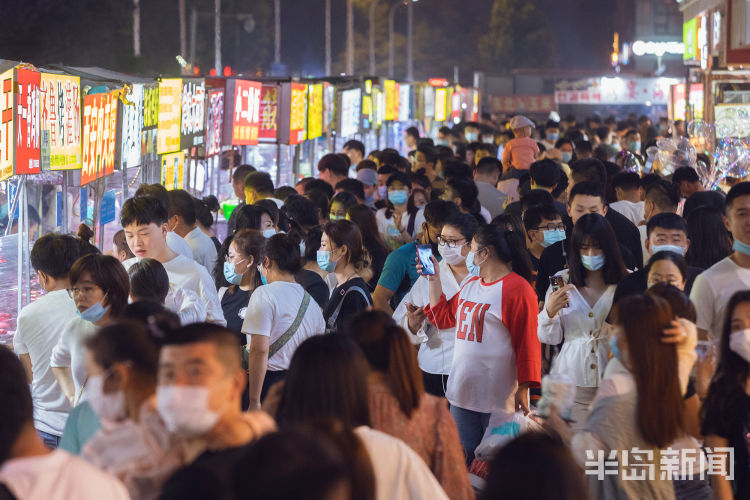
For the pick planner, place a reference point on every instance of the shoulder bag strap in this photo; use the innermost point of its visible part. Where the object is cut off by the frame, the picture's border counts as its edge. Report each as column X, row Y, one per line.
column 412, row 220
column 289, row 333
column 332, row 319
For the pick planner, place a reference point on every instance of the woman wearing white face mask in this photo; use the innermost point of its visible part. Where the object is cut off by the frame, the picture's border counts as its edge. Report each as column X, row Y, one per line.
column 496, row 353
column 133, row 444
column 575, row 314
column 100, row 289
column 436, row 345
column 726, row 409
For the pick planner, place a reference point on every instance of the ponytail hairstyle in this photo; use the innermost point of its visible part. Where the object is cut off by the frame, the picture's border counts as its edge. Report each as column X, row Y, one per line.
column 508, row 247
column 389, row 351
column 346, row 233
column 85, row 234
column 203, row 212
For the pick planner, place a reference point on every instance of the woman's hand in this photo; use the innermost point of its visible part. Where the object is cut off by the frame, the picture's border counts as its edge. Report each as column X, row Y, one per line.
column 555, row 422
column 676, row 333
column 704, row 370
column 558, row 300
column 415, row 316
column 522, row 398
column 435, row 266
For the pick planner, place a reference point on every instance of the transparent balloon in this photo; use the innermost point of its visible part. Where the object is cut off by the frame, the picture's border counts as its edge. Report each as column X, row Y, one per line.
column 701, row 135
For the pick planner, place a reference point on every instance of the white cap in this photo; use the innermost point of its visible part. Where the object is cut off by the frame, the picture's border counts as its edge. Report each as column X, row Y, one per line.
column 520, row 121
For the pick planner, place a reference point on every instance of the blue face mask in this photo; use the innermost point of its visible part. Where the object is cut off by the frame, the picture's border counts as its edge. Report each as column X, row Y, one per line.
column 230, row 274
column 471, row 136
column 441, row 142
column 263, row 279
column 613, row 348
column 743, row 248
column 566, row 157
column 593, row 262
column 669, row 248
column 552, row 237
column 267, row 233
column 324, row 261
column 336, row 217
column 93, row 313
column 553, row 137
column 470, row 266
column 398, row 197
column 634, row 147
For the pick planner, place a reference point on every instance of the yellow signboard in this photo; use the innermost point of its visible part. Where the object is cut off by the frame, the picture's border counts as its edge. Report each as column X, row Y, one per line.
column 391, row 100
column 7, row 125
column 315, row 111
column 168, row 136
column 441, row 101
column 172, row 170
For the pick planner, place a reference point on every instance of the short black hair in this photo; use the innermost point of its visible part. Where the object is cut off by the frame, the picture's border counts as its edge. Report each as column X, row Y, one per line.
column 352, row 186
column 182, row 204
column 284, row 252
column 241, row 172
column 413, row 131
column 584, row 147
column 466, row 190
column 387, row 170
column 439, row 212
column 321, row 200
column 714, row 199
column 143, row 210
column 457, row 168
column 664, row 195
column 533, row 216
column 249, row 216
column 355, row 145
column 590, row 169
column 739, row 189
column 688, row 174
column 399, row 177
column 228, row 350
column 627, row 181
column 334, row 163
column 54, row 254
column 319, row 185
column 429, row 152
column 551, row 124
column 587, row 189
column 157, row 191
column 345, row 198
column 545, row 173
column 15, row 399
column 489, row 165
column 149, row 280
column 260, row 182
column 535, row 198
column 125, row 341
column 602, row 132
column 301, row 210
column 467, row 224
column 666, row 220
column 284, row 192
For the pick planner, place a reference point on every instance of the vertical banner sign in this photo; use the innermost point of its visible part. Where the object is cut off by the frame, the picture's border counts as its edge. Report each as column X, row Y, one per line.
column 351, row 109
column 269, row 113
column 6, row 125
column 441, row 97
column 60, row 97
column 315, row 111
column 28, row 135
column 404, row 102
column 215, row 122
column 193, row 113
column 132, row 128
column 172, row 170
column 329, row 96
column 391, row 100
column 150, row 124
column 242, row 110
column 169, row 115
column 99, row 136
column 298, row 113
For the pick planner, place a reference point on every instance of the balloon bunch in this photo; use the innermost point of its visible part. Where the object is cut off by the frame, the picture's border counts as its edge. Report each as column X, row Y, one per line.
column 732, row 158
column 732, row 122
column 672, row 154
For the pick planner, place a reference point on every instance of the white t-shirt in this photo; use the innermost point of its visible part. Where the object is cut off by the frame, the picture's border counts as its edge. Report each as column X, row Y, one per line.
column 712, row 290
column 40, row 326
column 178, row 244
column 70, row 352
column 204, row 250
column 186, row 304
column 399, row 471
column 185, row 273
column 272, row 310
column 59, row 475
column 389, row 231
column 633, row 211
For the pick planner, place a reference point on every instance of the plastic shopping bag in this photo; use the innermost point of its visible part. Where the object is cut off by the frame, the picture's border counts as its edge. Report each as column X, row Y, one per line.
column 502, row 429
column 557, row 389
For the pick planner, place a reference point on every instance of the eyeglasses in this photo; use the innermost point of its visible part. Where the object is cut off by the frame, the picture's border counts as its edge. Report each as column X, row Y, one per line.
column 552, row 226
column 84, row 290
column 451, row 243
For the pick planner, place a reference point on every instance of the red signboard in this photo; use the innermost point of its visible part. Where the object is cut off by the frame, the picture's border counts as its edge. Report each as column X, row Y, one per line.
column 243, row 106
column 269, row 113
column 522, row 103
column 99, row 136
column 28, row 135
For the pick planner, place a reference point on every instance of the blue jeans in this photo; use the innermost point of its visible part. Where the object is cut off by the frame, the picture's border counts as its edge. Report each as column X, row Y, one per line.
column 50, row 440
column 471, row 426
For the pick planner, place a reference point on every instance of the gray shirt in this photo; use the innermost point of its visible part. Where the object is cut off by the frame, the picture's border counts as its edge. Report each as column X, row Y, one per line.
column 491, row 198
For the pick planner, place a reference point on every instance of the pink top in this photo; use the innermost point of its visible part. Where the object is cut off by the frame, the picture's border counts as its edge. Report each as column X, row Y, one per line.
column 520, row 153
column 430, row 432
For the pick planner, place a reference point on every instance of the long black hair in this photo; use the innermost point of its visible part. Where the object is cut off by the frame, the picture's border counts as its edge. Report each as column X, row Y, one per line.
column 710, row 240
column 508, row 247
column 594, row 229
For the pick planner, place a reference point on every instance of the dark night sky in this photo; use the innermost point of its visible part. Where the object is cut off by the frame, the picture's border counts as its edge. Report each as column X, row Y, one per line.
column 98, row 32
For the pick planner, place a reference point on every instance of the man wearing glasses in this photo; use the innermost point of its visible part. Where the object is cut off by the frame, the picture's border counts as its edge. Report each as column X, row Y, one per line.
column 544, row 227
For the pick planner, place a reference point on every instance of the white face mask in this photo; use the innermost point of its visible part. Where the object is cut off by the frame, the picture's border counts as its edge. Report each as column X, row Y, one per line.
column 451, row 255
column 185, row 409
column 739, row 342
column 108, row 406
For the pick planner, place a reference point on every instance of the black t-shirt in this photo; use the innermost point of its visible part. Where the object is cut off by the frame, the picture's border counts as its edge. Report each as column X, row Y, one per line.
column 354, row 302
column 314, row 285
column 636, row 282
column 234, row 305
column 378, row 254
column 209, row 477
column 232, row 222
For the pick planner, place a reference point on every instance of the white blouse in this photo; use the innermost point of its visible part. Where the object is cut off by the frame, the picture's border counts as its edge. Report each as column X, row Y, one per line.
column 585, row 349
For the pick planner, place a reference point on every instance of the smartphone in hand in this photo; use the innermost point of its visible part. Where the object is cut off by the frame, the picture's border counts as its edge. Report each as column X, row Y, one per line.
column 424, row 254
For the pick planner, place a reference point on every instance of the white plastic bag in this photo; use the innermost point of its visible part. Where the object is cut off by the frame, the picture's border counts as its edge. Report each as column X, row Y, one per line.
column 502, row 429
column 557, row 389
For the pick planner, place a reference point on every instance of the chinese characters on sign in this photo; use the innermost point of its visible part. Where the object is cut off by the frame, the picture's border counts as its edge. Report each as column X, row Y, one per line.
column 315, row 111
column 298, row 113
column 522, row 103
column 404, row 101
column 6, row 124
column 244, row 109
column 269, row 113
column 28, row 135
column 391, row 100
column 132, row 127
column 351, row 109
column 441, row 101
column 151, row 107
column 172, row 170
column 615, row 90
column 60, row 98
column 99, row 136
column 215, row 122
column 193, row 113
column 169, row 115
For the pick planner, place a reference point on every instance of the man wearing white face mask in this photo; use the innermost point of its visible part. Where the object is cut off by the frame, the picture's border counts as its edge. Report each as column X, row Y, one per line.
column 436, row 345
column 182, row 220
column 198, row 394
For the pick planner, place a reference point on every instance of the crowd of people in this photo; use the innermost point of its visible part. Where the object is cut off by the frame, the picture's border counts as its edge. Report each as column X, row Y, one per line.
column 369, row 332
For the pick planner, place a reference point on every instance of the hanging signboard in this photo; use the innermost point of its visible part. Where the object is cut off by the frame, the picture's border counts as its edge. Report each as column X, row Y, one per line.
column 192, row 113
column 351, row 112
column 269, row 113
column 150, row 107
column 99, row 136
column 172, row 170
column 404, row 103
column 293, row 109
column 169, row 115
column 28, row 135
column 131, row 128
column 391, row 89
column 60, row 102
column 441, row 101
column 215, row 121
column 429, row 101
column 242, row 111
column 315, row 111
column 6, row 124
column 329, row 95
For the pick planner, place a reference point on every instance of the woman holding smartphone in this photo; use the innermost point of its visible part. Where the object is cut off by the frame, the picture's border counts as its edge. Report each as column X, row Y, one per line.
column 575, row 314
